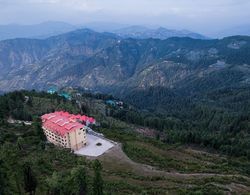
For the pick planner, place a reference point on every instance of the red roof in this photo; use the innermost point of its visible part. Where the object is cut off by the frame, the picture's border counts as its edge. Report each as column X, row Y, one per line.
column 59, row 123
column 63, row 122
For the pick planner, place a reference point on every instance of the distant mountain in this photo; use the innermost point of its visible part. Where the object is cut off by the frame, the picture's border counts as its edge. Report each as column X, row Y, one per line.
column 243, row 30
column 52, row 28
column 104, row 26
column 105, row 62
column 43, row 30
column 40, row 61
column 141, row 32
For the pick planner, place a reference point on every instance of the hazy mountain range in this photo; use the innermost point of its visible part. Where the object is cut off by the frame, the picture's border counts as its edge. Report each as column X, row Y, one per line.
column 43, row 30
column 47, row 29
column 105, row 62
column 52, row 28
column 238, row 30
column 141, row 32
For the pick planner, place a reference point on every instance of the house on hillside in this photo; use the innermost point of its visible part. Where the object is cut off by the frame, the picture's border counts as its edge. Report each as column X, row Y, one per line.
column 63, row 130
column 65, row 95
column 52, row 90
column 111, row 102
column 115, row 103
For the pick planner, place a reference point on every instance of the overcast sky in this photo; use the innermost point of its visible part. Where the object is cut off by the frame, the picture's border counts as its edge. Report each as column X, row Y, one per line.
column 205, row 16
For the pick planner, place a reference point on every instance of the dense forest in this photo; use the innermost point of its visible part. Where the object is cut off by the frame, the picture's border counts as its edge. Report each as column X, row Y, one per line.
column 218, row 119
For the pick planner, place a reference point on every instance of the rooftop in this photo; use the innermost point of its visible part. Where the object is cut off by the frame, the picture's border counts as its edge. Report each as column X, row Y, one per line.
column 63, row 122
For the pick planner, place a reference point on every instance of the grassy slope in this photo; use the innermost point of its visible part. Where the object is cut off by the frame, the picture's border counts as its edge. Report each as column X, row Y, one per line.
column 176, row 169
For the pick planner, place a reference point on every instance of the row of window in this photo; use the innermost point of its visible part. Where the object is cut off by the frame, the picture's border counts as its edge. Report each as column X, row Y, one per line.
column 61, row 143
column 61, row 140
column 56, row 137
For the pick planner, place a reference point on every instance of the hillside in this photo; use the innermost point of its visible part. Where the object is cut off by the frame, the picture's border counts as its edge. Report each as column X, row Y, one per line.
column 141, row 164
column 104, row 62
column 22, row 60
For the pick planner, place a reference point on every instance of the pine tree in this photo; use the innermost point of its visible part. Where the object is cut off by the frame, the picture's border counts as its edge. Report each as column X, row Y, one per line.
column 30, row 182
column 98, row 182
column 20, row 142
column 80, row 180
column 39, row 130
column 3, row 178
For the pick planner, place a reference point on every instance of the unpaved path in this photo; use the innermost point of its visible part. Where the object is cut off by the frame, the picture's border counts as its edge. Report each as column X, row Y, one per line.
column 116, row 158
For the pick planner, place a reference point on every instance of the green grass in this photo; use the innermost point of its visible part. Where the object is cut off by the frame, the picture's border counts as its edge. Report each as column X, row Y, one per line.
column 174, row 157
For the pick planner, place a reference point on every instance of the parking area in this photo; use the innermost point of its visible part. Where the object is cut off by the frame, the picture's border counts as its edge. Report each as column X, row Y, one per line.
column 96, row 146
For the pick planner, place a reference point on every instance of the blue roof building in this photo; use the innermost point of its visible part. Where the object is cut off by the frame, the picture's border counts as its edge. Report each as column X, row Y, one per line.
column 65, row 95
column 52, row 90
column 111, row 102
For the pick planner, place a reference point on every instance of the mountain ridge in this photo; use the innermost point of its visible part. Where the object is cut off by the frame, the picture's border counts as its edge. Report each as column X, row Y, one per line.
column 141, row 32
column 52, row 28
column 105, row 62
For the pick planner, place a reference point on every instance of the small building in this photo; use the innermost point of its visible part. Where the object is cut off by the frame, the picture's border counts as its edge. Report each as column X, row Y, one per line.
column 65, row 95
column 119, row 103
column 62, row 130
column 111, row 103
column 52, row 90
column 115, row 103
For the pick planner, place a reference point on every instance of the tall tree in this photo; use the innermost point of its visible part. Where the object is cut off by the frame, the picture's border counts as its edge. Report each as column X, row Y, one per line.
column 30, row 182
column 97, row 182
column 20, row 142
column 39, row 130
column 3, row 178
column 54, row 184
column 80, row 180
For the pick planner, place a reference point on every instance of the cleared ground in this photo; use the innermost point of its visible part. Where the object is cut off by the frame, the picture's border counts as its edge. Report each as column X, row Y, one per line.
column 96, row 146
column 118, row 166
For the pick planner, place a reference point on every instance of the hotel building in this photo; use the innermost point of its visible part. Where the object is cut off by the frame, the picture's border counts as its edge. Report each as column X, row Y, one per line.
column 65, row 130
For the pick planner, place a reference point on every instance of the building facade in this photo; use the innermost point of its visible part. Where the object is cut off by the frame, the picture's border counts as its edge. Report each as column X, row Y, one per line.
column 64, row 131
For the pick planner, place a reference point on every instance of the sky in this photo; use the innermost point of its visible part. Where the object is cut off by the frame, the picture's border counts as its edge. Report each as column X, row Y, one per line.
column 204, row 16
